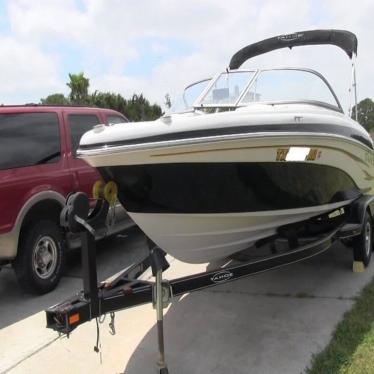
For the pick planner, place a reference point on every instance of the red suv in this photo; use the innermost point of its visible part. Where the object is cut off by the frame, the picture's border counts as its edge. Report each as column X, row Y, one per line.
column 38, row 169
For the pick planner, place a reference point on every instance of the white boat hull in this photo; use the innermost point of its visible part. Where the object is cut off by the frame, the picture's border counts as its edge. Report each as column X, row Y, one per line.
column 149, row 174
column 199, row 238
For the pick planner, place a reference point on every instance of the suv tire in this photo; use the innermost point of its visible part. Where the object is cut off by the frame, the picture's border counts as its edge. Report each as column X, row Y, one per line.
column 40, row 261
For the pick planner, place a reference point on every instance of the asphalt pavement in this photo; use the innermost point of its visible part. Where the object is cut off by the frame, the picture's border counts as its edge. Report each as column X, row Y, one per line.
column 269, row 323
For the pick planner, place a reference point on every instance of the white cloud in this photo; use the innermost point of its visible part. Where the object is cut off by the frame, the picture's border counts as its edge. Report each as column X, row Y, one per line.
column 357, row 18
column 112, row 30
column 26, row 73
column 40, row 20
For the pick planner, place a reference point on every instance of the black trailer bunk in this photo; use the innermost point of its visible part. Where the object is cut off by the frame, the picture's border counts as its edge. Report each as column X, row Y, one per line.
column 124, row 290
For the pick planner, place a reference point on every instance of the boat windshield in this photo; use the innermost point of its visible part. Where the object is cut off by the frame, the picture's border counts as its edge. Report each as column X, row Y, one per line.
column 227, row 88
column 241, row 88
column 190, row 94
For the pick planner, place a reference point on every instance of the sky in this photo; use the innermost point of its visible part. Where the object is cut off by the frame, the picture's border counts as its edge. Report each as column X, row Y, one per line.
column 160, row 46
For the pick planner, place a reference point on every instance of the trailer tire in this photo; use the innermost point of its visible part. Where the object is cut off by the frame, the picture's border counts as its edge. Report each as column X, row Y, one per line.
column 40, row 261
column 363, row 244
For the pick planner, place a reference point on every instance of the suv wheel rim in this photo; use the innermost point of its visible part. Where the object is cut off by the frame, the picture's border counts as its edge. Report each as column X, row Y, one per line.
column 45, row 257
column 368, row 238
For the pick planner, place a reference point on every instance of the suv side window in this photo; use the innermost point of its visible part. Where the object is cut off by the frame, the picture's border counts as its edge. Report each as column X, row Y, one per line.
column 113, row 119
column 79, row 124
column 29, row 139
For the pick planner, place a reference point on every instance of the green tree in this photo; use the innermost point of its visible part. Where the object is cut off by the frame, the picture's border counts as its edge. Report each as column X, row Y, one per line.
column 365, row 113
column 55, row 99
column 137, row 108
column 108, row 100
column 78, row 88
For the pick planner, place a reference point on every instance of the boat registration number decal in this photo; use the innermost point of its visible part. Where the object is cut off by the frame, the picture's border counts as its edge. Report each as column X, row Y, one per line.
column 311, row 155
column 282, row 154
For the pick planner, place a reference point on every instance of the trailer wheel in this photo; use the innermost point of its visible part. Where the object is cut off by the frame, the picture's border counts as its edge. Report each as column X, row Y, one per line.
column 363, row 244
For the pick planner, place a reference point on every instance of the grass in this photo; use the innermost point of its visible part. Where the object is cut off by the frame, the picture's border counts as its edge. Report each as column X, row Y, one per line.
column 351, row 350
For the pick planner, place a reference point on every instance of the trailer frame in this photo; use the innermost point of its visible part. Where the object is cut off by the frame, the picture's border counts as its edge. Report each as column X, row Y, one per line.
column 125, row 289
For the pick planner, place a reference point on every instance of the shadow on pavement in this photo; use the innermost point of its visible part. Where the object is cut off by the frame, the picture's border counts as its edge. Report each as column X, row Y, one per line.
column 269, row 323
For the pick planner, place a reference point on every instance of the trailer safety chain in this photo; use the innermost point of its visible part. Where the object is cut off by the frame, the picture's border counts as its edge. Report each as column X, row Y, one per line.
column 97, row 347
column 99, row 321
column 111, row 324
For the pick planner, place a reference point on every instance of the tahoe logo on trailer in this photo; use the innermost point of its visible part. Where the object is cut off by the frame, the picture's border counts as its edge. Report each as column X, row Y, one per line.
column 222, row 276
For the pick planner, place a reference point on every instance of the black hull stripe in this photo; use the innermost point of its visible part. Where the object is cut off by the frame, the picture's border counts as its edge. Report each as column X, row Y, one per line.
column 228, row 187
column 345, row 131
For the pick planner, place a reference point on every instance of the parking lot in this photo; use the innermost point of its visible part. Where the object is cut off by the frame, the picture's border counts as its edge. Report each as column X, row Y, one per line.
column 269, row 323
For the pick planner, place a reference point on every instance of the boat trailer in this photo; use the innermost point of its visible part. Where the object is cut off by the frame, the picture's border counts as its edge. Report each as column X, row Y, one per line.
column 125, row 289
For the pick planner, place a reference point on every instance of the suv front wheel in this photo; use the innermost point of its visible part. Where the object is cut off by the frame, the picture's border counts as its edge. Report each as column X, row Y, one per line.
column 41, row 256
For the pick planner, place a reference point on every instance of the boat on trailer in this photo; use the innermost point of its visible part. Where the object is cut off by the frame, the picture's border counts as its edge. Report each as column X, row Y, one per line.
column 305, row 173
column 252, row 150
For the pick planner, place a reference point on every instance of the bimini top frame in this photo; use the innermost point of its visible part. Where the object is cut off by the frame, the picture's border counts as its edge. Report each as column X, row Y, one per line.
column 346, row 40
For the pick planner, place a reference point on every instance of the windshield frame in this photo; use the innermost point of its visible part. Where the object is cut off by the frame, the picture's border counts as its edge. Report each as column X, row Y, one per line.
column 201, row 93
column 175, row 109
column 198, row 102
column 238, row 103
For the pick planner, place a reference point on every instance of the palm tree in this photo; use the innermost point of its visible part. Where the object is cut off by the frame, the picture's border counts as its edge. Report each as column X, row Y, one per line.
column 79, row 88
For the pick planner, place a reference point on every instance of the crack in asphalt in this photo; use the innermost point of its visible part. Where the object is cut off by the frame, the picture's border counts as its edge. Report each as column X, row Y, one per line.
column 7, row 370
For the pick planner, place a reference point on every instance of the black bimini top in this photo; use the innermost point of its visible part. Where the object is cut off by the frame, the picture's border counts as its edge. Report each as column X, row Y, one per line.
column 346, row 40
